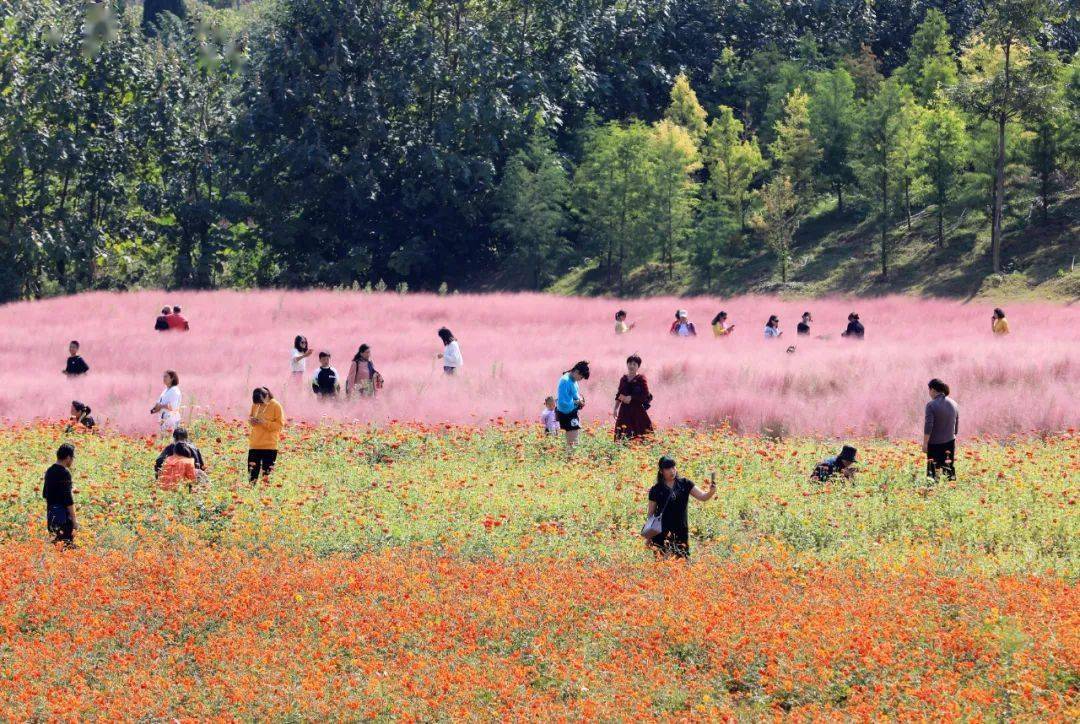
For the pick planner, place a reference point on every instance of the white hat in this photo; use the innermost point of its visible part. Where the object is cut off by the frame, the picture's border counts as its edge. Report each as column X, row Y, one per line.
column 681, row 313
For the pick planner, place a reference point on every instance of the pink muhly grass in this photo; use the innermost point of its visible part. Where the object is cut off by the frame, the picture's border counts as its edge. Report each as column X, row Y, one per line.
column 515, row 346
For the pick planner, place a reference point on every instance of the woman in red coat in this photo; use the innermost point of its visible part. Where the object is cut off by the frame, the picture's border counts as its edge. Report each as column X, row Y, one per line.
column 632, row 403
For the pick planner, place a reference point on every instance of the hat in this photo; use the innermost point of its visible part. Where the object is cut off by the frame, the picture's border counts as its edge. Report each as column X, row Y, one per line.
column 681, row 313
column 847, row 453
column 666, row 462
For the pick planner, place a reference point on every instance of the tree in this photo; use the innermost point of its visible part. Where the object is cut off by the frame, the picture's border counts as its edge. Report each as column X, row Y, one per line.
column 930, row 65
column 832, row 123
column 531, row 211
column 672, row 190
column 684, row 109
column 878, row 138
column 779, row 219
column 155, row 10
column 1070, row 151
column 865, row 72
column 1003, row 80
column 909, row 151
column 732, row 163
column 795, row 151
column 944, row 154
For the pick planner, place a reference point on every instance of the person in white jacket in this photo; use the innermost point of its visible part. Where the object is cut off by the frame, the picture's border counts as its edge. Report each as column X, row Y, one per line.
column 451, row 354
column 168, row 404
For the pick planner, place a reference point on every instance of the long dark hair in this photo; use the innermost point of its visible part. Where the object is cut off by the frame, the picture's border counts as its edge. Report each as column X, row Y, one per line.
column 665, row 462
column 359, row 352
column 582, row 368
column 260, row 395
column 938, row 386
column 719, row 317
column 80, row 408
column 300, row 343
column 446, row 335
column 772, row 318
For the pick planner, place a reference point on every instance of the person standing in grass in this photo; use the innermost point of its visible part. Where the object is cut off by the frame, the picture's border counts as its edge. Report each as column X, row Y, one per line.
column 621, row 327
column 451, row 354
column 803, row 328
column 76, row 365
column 940, row 427
column 549, row 418
column 161, row 324
column 569, row 402
column 772, row 327
column 363, row 379
column 998, row 323
column 177, row 321
column 682, row 326
column 720, row 327
column 267, row 419
column 855, row 329
column 632, row 401
column 168, row 404
column 669, row 498
column 298, row 361
column 59, row 505
column 325, row 382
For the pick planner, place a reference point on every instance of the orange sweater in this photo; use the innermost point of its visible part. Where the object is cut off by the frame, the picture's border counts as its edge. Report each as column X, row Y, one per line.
column 265, row 436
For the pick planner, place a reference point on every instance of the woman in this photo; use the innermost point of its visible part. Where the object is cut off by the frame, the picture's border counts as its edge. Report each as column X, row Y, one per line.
column 168, row 404
column 998, row 323
column 451, row 354
column 632, row 403
column 80, row 416
column 161, row 324
column 669, row 499
column 300, row 352
column 941, row 423
column 267, row 419
column 720, row 327
column 621, row 327
column 178, row 467
column 363, row 377
column 855, row 329
column 772, row 327
column 568, row 402
column 682, row 326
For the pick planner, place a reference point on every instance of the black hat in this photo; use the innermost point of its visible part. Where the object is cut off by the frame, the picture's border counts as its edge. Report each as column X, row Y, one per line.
column 847, row 453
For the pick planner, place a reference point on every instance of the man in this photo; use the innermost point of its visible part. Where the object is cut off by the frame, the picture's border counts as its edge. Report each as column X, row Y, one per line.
column 804, row 325
column 325, row 381
column 844, row 463
column 76, row 365
column 179, row 435
column 59, row 505
column 176, row 321
column 161, row 324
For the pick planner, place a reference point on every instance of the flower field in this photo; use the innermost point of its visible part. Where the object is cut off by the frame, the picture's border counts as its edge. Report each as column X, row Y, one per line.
column 446, row 572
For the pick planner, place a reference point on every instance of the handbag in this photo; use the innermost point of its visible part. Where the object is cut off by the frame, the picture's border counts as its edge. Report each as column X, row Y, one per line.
column 654, row 523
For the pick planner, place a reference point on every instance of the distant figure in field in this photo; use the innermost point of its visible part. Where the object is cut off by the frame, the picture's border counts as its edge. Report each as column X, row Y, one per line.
column 548, row 418
column 570, row 401
column 80, row 416
column 720, row 327
column 363, row 379
column 772, row 327
column 325, row 381
column 300, row 353
column 59, row 505
column 176, row 321
column 804, row 325
column 161, row 324
column 855, row 329
column 621, row 327
column 76, row 365
column 843, row 464
column 267, row 420
column 682, row 326
column 180, row 435
column 179, row 467
column 632, row 401
column 942, row 423
column 168, row 404
column 451, row 354
column 999, row 324
column 669, row 499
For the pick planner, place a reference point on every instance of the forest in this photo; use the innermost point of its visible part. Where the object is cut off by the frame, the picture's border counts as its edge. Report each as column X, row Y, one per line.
column 498, row 144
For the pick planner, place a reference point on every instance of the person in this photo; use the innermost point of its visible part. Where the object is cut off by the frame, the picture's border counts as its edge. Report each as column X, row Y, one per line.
column 569, row 401
column 80, row 415
column 671, row 497
column 803, row 327
column 548, row 417
column 76, row 365
column 59, row 505
column 720, row 327
column 267, row 420
column 180, row 435
column 998, row 323
column 682, row 326
column 324, row 382
column 179, row 467
column 855, row 329
column 772, row 327
column 168, row 404
column 161, row 324
column 300, row 353
column 451, row 354
column 621, row 327
column 940, row 426
column 177, row 321
column 844, row 464
column 632, row 401
column 363, row 378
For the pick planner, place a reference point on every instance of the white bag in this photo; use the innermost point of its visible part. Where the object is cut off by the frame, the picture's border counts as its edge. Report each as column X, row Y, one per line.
column 654, row 523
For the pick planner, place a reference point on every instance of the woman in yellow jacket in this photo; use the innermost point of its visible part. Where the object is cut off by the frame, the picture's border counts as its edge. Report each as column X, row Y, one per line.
column 267, row 418
column 1000, row 325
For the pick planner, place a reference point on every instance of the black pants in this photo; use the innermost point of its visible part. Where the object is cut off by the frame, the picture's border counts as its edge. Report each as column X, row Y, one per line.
column 672, row 543
column 942, row 456
column 60, row 524
column 260, row 460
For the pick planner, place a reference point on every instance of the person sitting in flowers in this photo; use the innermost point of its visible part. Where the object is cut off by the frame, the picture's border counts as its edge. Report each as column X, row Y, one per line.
column 179, row 467
column 843, row 464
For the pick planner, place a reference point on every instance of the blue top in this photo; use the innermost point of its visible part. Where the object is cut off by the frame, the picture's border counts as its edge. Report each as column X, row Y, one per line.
column 568, row 394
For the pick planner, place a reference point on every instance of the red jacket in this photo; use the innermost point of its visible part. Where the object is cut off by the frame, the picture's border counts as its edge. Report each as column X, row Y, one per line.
column 177, row 321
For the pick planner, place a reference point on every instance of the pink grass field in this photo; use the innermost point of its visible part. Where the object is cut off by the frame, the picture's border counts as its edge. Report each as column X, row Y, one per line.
column 516, row 346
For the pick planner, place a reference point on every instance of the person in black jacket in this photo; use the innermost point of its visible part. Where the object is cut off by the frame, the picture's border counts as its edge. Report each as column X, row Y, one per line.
column 803, row 327
column 161, row 324
column 179, row 435
column 855, row 329
column 325, row 382
column 76, row 365
column 59, row 505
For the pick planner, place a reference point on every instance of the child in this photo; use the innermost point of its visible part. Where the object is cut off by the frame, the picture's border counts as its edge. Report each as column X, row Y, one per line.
column 180, row 466
column 59, row 505
column 76, row 365
column 548, row 416
column 621, row 327
column 325, row 381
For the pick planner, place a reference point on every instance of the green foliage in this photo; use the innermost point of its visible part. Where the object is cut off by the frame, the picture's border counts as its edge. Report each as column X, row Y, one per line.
column 684, row 109
column 833, row 116
column 672, row 190
column 733, row 164
column 944, row 154
column 931, row 65
column 795, row 150
column 779, row 219
column 879, row 137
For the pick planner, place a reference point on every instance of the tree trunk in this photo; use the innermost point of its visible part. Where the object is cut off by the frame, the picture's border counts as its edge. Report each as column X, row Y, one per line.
column 999, row 172
column 941, row 222
column 840, row 198
column 884, row 225
column 907, row 202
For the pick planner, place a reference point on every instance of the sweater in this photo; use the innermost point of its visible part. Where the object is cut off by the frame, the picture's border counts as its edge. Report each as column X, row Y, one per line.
column 266, row 436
